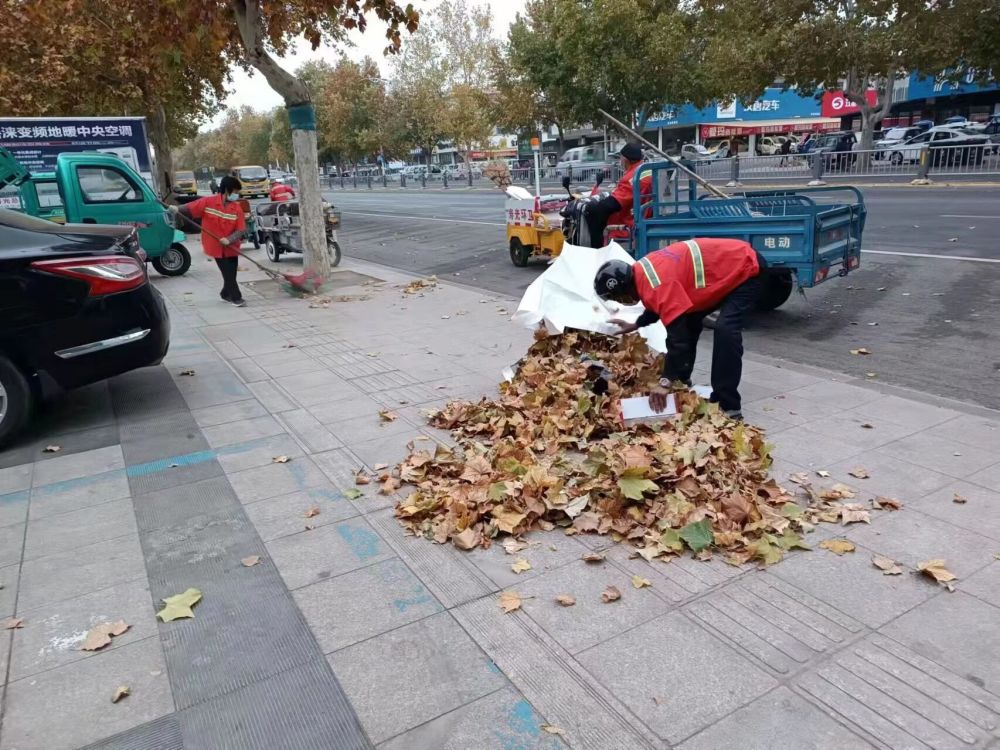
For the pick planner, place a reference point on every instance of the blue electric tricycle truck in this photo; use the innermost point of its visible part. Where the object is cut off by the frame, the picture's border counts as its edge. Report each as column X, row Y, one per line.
column 806, row 235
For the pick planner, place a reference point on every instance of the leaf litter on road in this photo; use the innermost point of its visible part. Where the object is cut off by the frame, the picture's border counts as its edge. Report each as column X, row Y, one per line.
column 936, row 569
column 122, row 691
column 520, row 565
column 249, row 562
column 100, row 636
column 179, row 606
column 565, row 600
column 887, row 565
column 838, row 546
column 510, row 601
column 549, row 453
column 610, row 594
column 640, row 583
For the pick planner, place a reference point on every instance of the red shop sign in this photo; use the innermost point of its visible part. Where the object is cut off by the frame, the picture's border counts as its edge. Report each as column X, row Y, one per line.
column 836, row 103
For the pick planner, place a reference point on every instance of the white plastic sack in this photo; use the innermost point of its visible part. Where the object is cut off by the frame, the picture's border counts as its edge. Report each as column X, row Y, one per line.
column 564, row 297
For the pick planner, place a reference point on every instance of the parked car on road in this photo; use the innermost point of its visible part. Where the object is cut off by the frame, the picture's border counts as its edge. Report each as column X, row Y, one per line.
column 77, row 307
column 185, row 182
column 696, row 152
column 953, row 145
column 894, row 136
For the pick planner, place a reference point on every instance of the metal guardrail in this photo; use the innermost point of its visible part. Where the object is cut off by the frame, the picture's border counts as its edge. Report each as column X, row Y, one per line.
column 895, row 163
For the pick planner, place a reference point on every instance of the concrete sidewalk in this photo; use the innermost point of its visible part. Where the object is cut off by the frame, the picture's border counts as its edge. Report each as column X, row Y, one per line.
column 349, row 634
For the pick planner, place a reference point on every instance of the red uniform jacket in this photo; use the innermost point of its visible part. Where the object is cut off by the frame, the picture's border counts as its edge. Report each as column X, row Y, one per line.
column 282, row 193
column 693, row 276
column 220, row 218
column 623, row 194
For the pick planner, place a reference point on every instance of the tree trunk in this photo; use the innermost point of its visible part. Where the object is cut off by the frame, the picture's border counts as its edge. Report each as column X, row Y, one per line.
column 163, row 168
column 316, row 257
column 855, row 91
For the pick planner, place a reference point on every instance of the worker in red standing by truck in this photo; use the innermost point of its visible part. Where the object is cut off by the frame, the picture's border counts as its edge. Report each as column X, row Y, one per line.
column 280, row 191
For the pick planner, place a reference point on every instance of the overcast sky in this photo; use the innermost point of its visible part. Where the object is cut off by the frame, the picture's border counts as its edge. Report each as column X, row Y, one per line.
column 254, row 91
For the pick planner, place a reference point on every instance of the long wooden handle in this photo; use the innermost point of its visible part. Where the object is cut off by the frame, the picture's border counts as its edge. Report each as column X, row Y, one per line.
column 676, row 162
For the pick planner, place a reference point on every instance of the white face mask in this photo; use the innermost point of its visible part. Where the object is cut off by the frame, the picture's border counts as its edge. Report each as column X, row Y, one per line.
column 233, row 196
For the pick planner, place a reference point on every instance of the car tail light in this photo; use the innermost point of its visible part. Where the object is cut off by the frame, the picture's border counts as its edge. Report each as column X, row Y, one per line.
column 106, row 274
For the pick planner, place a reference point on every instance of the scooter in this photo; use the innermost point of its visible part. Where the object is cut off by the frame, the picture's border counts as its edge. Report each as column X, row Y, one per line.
column 574, row 221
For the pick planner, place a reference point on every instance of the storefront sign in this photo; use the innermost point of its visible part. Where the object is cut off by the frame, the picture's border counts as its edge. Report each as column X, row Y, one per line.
column 726, row 131
column 836, row 103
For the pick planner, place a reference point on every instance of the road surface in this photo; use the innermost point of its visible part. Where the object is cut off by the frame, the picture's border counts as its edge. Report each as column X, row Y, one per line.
column 926, row 302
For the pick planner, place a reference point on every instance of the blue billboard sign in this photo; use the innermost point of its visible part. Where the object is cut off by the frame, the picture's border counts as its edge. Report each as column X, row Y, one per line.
column 36, row 141
column 773, row 104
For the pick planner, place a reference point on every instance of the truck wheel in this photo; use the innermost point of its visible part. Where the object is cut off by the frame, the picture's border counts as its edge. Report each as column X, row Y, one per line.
column 273, row 253
column 897, row 158
column 777, row 289
column 15, row 400
column 519, row 253
column 174, row 262
column 334, row 249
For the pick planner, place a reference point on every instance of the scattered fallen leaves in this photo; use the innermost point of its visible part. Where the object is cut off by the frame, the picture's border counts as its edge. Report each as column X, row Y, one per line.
column 611, row 594
column 418, row 285
column 179, row 606
column 862, row 351
column 249, row 562
column 640, row 583
column 51, row 449
column 121, row 692
column 387, row 416
column 887, row 565
column 312, row 512
column 935, row 569
column 854, row 513
column 280, row 460
column 565, row 600
column 520, row 565
column 510, row 601
column 960, row 499
column 99, row 636
column 352, row 494
column 13, row 623
column 838, row 546
column 823, row 473
column 362, row 477
column 310, row 526
column 380, row 467
column 867, row 426
column 552, row 729
column 187, row 373
column 859, row 473
column 886, row 503
column 593, row 557
column 512, row 546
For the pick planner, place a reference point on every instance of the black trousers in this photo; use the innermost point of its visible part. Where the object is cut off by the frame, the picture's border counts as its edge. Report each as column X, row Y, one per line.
column 230, row 289
column 727, row 346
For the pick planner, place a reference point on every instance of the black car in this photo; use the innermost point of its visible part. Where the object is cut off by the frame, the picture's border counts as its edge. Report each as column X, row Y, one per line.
column 76, row 307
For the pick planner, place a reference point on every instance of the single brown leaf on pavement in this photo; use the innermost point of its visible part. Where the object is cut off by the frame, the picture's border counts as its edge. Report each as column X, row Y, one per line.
column 520, row 565
column 640, row 583
column 854, row 513
column 959, row 499
column 280, row 459
column 249, row 562
column 887, row 503
column 12, row 623
column 51, row 449
column 122, row 692
column 887, row 565
column 179, row 606
column 187, row 373
column 935, row 569
column 513, row 546
column 466, row 539
column 387, row 416
column 566, row 600
column 593, row 557
column 611, row 594
column 859, row 472
column 510, row 601
column 362, row 477
column 99, row 636
column 312, row 512
column 553, row 729
column 837, row 546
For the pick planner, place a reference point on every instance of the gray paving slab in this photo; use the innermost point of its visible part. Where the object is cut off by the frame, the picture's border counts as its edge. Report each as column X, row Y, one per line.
column 68, row 531
column 984, row 584
column 54, row 633
column 988, row 477
column 174, row 505
column 413, row 674
column 929, row 630
column 800, row 445
column 211, row 416
column 54, row 578
column 75, row 441
column 222, row 387
column 302, row 708
column 355, row 606
column 780, row 720
column 852, row 585
column 445, row 570
column 971, row 430
column 172, row 472
column 901, row 699
column 912, row 537
column 675, row 581
column 8, row 593
column 545, row 552
column 370, row 427
column 773, row 623
column 248, row 370
column 285, row 514
column 75, row 494
column 699, row 678
column 11, row 544
column 905, row 412
column 242, row 430
column 590, row 621
column 341, row 466
column 847, row 427
column 16, row 478
column 309, row 431
column 791, row 407
column 227, row 349
column 145, row 394
column 388, row 449
column 276, row 479
column 927, row 449
column 160, row 734
column 499, row 721
column 272, row 398
column 77, row 466
column 332, row 412
column 84, row 689
column 889, row 476
column 258, row 452
column 327, row 551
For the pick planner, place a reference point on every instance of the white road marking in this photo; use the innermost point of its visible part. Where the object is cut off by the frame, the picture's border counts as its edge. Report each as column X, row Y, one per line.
column 968, row 216
column 502, row 224
column 932, row 255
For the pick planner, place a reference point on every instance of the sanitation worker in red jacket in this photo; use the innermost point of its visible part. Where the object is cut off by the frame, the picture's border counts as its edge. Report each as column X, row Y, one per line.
column 281, row 192
column 223, row 226
column 681, row 284
column 616, row 208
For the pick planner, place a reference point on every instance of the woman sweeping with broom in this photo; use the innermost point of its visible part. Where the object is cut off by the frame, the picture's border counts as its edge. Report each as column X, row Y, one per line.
column 223, row 226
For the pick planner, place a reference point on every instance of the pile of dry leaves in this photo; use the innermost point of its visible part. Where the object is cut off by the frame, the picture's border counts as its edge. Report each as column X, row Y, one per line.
column 550, row 453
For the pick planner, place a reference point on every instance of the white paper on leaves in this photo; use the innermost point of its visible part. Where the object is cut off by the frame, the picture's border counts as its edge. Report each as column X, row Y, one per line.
column 638, row 408
column 564, row 297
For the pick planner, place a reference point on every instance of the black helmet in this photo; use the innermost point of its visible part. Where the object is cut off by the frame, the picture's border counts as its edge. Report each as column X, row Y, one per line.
column 614, row 281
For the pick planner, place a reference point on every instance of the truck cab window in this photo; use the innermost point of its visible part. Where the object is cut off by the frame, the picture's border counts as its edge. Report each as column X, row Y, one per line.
column 107, row 185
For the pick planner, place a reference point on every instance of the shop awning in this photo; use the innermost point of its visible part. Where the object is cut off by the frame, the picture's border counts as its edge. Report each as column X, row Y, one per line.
column 765, row 127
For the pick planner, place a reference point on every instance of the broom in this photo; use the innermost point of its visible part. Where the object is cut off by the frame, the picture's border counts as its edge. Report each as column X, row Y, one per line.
column 307, row 282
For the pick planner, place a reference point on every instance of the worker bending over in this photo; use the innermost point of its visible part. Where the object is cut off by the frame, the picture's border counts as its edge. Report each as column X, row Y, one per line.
column 681, row 284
